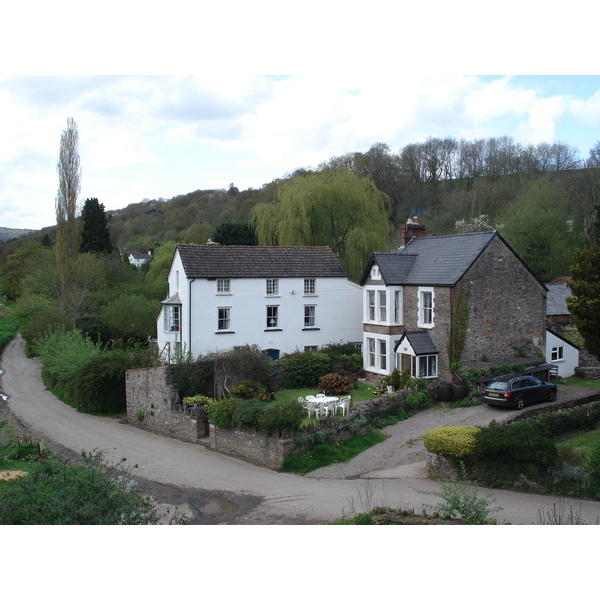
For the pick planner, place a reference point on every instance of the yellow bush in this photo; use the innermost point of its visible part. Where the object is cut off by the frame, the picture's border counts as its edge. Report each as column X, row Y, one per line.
column 458, row 441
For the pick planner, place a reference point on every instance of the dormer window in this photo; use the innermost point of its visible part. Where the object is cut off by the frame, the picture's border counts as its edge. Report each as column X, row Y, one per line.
column 375, row 272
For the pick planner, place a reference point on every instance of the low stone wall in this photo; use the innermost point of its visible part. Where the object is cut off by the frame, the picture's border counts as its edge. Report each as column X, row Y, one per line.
column 250, row 445
column 441, row 467
column 153, row 404
column 588, row 373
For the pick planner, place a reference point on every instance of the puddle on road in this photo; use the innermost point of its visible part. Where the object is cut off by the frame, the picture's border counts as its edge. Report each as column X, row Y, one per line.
column 217, row 506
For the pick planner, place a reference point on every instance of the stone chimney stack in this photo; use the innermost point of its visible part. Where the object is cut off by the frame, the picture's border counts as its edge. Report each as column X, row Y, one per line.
column 411, row 229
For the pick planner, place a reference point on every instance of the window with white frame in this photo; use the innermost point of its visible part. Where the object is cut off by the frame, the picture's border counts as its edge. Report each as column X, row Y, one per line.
column 371, row 352
column 382, row 305
column 424, row 366
column 425, row 307
column 224, row 318
column 311, row 348
column 309, row 287
column 556, row 354
column 272, row 317
column 398, row 306
column 272, row 287
column 223, row 286
column 382, row 355
column 310, row 318
column 371, row 304
column 172, row 319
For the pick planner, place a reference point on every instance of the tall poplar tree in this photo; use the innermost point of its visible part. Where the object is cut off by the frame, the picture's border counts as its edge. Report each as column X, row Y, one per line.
column 68, row 230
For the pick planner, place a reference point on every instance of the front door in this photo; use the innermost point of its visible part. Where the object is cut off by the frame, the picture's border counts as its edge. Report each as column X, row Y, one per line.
column 405, row 363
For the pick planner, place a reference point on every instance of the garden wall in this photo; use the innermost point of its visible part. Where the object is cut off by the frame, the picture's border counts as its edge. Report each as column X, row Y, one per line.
column 588, row 373
column 250, row 445
column 153, row 404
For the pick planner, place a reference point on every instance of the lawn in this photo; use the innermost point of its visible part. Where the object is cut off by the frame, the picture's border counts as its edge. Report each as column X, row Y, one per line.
column 576, row 381
column 584, row 443
column 360, row 394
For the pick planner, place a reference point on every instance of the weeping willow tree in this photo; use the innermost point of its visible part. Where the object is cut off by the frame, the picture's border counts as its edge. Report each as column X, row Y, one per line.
column 332, row 207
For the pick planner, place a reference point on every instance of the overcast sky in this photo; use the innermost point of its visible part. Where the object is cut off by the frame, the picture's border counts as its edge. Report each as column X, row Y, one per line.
column 152, row 136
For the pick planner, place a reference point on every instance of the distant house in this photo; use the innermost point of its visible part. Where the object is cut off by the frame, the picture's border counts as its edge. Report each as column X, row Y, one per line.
column 282, row 299
column 137, row 259
column 412, row 305
column 556, row 305
column 561, row 353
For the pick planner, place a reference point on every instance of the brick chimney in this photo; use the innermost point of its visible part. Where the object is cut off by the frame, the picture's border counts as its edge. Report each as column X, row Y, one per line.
column 411, row 229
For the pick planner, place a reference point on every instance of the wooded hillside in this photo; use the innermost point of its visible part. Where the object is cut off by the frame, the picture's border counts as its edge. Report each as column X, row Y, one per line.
column 542, row 198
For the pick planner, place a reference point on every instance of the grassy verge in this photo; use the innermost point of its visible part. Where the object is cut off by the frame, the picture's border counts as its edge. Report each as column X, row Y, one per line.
column 326, row 454
column 8, row 326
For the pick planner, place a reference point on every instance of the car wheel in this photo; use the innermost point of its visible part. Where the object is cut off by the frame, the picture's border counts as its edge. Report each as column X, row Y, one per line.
column 520, row 403
column 552, row 397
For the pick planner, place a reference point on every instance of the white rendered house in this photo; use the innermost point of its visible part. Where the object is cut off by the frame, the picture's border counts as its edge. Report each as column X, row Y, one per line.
column 282, row 299
column 562, row 354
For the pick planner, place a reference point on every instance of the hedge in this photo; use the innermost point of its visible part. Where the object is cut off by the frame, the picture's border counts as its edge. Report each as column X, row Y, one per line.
column 456, row 441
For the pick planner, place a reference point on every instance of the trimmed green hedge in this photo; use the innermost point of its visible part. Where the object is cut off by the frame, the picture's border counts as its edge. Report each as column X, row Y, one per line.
column 456, row 441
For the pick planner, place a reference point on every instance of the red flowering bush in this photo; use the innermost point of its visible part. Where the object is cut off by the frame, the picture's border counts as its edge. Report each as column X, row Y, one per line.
column 334, row 384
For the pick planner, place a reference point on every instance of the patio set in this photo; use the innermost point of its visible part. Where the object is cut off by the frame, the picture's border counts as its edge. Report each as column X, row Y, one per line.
column 324, row 406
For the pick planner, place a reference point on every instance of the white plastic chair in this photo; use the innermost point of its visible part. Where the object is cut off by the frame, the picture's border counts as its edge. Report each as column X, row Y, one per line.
column 320, row 395
column 344, row 404
column 309, row 397
column 329, row 407
column 313, row 407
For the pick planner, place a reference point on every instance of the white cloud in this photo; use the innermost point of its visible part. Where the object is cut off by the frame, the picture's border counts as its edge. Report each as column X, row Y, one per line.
column 160, row 136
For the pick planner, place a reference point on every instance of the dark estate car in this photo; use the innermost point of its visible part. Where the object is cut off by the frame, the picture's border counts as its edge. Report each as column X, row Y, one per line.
column 518, row 390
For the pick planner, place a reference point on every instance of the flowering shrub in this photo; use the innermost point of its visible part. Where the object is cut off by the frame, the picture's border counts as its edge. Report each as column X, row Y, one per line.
column 334, row 384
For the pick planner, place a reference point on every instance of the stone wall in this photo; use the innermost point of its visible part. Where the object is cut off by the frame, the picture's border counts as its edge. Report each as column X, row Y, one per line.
column 251, row 446
column 153, row 403
column 589, row 373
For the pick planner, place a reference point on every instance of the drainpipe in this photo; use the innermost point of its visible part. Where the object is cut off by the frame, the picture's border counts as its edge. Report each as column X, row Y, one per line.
column 190, row 316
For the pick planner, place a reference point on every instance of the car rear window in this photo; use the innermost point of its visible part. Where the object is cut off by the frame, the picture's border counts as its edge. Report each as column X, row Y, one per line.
column 497, row 385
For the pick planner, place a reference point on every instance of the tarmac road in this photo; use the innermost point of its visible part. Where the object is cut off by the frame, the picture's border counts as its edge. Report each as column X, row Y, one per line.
column 227, row 490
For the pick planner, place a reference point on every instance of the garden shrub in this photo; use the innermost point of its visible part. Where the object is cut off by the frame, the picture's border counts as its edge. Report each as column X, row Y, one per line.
column 416, row 401
column 303, row 369
column 248, row 389
column 457, row 441
column 594, row 461
column 63, row 353
column 517, row 443
column 221, row 412
column 192, row 377
column 203, row 401
column 248, row 413
column 281, row 415
column 99, row 385
column 334, row 384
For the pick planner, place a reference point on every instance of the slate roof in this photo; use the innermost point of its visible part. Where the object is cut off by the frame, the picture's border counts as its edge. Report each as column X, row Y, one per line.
column 213, row 260
column 431, row 260
column 556, row 303
column 421, row 342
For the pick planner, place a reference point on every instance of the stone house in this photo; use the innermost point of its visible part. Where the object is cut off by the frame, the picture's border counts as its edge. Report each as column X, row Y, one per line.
column 465, row 298
column 282, row 299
